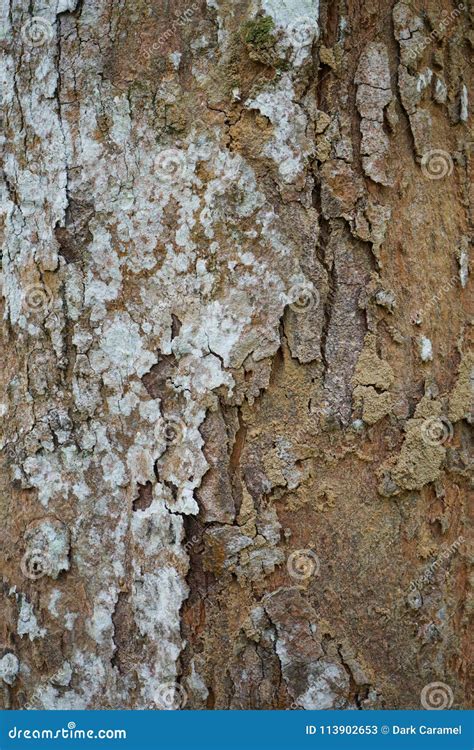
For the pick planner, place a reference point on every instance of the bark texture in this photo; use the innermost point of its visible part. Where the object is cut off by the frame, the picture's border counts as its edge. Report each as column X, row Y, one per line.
column 237, row 382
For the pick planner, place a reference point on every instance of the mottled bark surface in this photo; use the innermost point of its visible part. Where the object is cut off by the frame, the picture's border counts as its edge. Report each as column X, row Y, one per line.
column 237, row 382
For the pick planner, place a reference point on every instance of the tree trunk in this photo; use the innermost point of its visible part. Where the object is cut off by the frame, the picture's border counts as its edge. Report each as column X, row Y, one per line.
column 236, row 392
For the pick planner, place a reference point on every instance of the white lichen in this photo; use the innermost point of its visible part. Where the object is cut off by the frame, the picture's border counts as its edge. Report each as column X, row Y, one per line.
column 426, row 349
column 149, row 233
column 289, row 145
column 48, row 542
column 463, row 266
column 9, row 668
column 298, row 24
column 325, row 683
column 464, row 104
column 27, row 622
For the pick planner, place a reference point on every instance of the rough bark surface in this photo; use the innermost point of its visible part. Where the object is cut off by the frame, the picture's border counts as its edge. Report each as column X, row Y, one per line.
column 237, row 382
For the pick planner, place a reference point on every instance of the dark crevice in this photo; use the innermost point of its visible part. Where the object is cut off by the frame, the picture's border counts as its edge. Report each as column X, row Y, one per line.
column 175, row 326
column 144, row 498
column 321, row 248
column 75, row 236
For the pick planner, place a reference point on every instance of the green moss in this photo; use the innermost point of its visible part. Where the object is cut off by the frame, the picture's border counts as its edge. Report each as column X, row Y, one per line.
column 260, row 38
column 259, row 33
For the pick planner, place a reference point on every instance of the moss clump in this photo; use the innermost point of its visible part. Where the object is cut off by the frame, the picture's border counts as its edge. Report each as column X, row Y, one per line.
column 259, row 33
column 260, row 40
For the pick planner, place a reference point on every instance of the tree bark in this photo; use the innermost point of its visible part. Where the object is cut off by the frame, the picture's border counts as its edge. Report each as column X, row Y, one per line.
column 237, row 385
